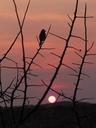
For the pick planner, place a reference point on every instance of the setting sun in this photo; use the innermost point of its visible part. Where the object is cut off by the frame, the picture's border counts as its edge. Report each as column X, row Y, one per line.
column 52, row 99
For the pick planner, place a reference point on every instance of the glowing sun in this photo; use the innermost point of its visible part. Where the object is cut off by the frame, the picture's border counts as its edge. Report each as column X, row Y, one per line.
column 52, row 99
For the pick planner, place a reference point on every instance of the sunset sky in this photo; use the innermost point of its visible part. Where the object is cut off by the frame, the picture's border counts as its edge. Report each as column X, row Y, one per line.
column 40, row 15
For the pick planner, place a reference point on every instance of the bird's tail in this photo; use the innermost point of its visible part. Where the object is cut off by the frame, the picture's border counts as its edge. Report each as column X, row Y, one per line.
column 40, row 44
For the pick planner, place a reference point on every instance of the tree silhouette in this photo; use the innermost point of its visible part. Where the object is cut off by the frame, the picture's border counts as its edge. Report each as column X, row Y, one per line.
column 19, row 85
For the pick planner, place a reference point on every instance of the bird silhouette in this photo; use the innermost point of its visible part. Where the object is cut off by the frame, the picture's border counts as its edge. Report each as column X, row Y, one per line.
column 42, row 37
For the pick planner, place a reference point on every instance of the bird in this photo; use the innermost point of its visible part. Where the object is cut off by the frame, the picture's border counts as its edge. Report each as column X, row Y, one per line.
column 42, row 37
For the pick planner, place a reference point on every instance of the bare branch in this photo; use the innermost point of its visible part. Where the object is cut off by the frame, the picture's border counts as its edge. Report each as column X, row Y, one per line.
column 69, row 67
column 90, row 47
column 70, row 18
column 91, row 54
column 85, row 75
column 12, row 67
column 58, row 66
column 78, row 55
column 57, row 36
column 16, row 35
column 79, row 50
column 52, row 66
column 78, row 37
column 85, row 17
column 76, row 64
column 35, row 85
column 55, row 54
column 48, row 48
column 88, row 62
column 69, row 24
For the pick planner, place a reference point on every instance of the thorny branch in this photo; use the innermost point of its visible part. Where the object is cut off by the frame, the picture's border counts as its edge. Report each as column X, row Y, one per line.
column 58, row 66
column 6, row 96
column 80, row 72
column 27, row 69
column 17, row 34
column 24, row 59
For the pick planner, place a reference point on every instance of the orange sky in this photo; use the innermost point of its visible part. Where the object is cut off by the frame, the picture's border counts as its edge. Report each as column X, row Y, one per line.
column 41, row 14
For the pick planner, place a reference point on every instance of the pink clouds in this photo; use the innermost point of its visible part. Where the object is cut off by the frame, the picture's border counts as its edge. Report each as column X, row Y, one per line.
column 39, row 14
column 47, row 17
column 59, row 86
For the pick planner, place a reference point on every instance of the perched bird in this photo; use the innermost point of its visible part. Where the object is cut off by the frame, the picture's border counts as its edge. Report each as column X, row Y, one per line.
column 42, row 37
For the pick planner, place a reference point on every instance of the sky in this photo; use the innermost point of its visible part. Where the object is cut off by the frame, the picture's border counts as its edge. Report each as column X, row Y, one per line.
column 40, row 15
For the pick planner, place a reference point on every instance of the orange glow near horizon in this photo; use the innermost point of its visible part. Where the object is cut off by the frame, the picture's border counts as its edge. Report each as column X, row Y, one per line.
column 40, row 15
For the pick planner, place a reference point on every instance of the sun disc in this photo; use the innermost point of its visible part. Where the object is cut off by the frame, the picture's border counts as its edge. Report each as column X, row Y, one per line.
column 52, row 99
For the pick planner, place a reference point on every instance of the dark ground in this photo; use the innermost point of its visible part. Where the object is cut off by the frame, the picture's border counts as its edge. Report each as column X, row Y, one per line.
column 58, row 115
